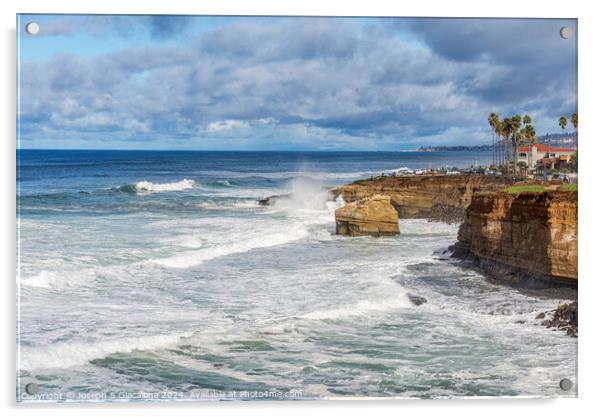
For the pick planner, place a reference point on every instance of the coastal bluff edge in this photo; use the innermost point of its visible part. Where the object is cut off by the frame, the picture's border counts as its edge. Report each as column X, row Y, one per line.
column 530, row 237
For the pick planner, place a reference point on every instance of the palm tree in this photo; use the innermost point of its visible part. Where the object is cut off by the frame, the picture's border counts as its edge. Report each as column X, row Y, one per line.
column 498, row 132
column 574, row 123
column 518, row 139
column 493, row 122
column 506, row 131
column 562, row 122
column 530, row 135
column 574, row 120
column 515, row 126
column 527, row 119
column 521, row 138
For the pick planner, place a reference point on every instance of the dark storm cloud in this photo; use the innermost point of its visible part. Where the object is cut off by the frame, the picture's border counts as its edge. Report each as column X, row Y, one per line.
column 311, row 82
column 500, row 40
column 535, row 59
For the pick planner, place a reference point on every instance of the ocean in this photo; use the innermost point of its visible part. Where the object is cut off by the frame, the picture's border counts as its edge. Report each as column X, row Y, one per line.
column 149, row 275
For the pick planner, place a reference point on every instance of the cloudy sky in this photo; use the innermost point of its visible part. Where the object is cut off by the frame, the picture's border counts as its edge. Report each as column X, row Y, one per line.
column 168, row 82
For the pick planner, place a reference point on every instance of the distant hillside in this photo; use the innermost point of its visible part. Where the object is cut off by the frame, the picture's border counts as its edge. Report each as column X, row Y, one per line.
column 454, row 148
column 550, row 139
column 559, row 139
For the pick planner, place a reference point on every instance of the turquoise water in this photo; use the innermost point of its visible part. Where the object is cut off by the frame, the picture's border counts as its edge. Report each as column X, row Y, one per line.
column 156, row 276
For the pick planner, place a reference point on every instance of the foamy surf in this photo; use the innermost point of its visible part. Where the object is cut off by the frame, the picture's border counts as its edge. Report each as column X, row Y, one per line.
column 336, row 305
column 150, row 187
column 58, row 279
column 64, row 355
column 362, row 308
column 194, row 258
column 44, row 279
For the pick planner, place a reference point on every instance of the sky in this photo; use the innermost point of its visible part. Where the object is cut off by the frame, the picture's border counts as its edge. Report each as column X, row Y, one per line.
column 286, row 83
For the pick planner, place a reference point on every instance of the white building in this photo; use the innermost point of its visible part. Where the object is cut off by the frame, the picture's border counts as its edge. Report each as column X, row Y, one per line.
column 531, row 155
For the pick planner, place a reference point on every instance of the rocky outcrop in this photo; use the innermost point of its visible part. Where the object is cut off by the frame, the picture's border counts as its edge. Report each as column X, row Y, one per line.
column 370, row 216
column 430, row 196
column 530, row 236
column 446, row 214
column 273, row 199
column 565, row 318
column 416, row 299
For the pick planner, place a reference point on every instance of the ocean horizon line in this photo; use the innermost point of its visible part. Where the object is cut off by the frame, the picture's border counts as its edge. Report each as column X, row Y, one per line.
column 228, row 150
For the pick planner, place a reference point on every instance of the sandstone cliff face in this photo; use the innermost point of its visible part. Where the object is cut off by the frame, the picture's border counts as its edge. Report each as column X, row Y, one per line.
column 533, row 234
column 415, row 197
column 370, row 216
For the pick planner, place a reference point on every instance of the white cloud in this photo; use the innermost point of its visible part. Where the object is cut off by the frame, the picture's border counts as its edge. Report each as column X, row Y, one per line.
column 226, row 125
column 296, row 83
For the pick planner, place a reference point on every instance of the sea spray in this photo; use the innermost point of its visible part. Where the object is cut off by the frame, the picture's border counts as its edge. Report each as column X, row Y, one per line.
column 305, row 194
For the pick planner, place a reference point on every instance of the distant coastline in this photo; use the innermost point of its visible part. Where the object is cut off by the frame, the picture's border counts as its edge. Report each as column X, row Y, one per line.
column 475, row 148
column 551, row 139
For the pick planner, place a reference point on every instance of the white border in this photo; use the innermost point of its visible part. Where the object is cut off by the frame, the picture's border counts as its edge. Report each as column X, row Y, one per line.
column 590, row 131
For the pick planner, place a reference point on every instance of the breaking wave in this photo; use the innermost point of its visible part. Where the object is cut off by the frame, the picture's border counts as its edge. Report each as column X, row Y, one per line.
column 145, row 187
column 362, row 308
column 44, row 279
column 194, row 258
column 67, row 354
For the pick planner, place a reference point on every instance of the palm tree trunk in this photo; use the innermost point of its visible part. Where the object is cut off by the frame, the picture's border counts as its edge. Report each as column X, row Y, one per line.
column 499, row 150
column 514, row 149
column 492, row 147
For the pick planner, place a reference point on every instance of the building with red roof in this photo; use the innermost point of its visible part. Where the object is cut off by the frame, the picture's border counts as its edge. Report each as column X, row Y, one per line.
column 538, row 153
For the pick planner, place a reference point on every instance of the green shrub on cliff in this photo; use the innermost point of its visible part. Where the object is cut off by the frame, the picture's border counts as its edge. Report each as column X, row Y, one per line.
column 532, row 188
column 538, row 188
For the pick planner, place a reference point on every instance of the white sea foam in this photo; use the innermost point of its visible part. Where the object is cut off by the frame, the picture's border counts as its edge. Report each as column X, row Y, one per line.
column 49, row 279
column 248, row 241
column 251, row 193
column 212, row 205
column 44, row 279
column 361, row 308
column 64, row 355
column 399, row 171
column 185, row 241
column 150, row 187
column 308, row 205
column 337, row 203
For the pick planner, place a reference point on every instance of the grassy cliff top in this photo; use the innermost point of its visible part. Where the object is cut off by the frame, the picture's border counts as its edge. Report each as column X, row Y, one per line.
column 539, row 188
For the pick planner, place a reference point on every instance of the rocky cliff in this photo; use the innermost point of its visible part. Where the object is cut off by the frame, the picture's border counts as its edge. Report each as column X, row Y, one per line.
column 530, row 235
column 423, row 196
column 370, row 216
